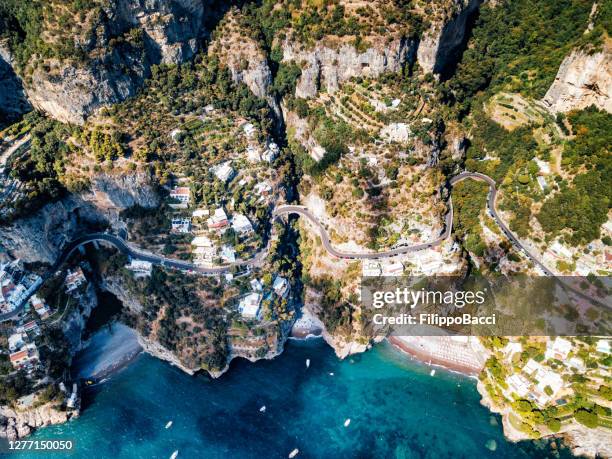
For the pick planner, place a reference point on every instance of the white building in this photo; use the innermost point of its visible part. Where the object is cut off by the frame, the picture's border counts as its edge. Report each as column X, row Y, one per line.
column 249, row 129
column 256, row 285
column 253, row 154
column 603, row 346
column 518, row 384
column 512, row 348
column 241, row 224
column 560, row 251
column 558, row 349
column 548, row 378
column 204, row 251
column 181, row 225
column 392, row 269
column 370, row 268
column 201, row 241
column 544, row 166
column 542, row 182
column 204, row 256
column 72, row 400
column 200, row 213
column 40, row 307
column 262, row 188
column 250, row 306
column 280, row 286
column 228, row 254
column 140, row 267
column 577, row 363
column 181, row 194
column 223, row 171
column 74, row 279
column 218, row 220
column 270, row 153
column 16, row 341
column 531, row 367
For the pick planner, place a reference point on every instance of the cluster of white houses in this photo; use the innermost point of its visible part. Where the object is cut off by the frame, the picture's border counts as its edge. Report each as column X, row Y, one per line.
column 23, row 351
column 539, row 382
column 16, row 285
column 204, row 249
column 250, row 304
column 208, row 224
column 253, row 153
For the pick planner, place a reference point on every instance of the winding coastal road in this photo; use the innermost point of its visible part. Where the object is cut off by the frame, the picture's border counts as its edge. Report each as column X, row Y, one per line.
column 284, row 210
column 448, row 227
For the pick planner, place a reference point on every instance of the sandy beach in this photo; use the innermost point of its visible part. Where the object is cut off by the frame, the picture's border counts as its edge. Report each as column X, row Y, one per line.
column 308, row 325
column 107, row 351
column 446, row 352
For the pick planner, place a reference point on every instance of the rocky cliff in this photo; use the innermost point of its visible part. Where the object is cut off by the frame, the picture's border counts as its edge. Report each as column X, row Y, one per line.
column 584, row 78
column 114, row 49
column 73, row 324
column 125, row 190
column 583, row 441
column 327, row 65
column 442, row 43
column 17, row 423
column 40, row 236
column 13, row 101
column 244, row 57
column 69, row 93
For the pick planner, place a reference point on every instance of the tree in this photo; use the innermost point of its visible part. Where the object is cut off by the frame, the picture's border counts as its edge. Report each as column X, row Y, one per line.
column 586, row 418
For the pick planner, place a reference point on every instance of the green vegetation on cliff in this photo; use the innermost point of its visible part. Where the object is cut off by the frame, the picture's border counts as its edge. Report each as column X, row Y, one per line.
column 519, row 45
column 582, row 205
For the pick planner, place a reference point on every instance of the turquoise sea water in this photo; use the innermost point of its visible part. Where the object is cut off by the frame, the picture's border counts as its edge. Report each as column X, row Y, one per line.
column 397, row 410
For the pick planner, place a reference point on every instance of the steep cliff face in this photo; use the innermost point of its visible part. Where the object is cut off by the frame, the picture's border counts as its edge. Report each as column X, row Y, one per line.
column 171, row 28
column 124, row 191
column 17, row 423
column 13, row 101
column 441, row 44
column 244, row 57
column 40, row 237
column 583, row 79
column 73, row 325
column 326, row 66
column 69, row 93
column 125, row 34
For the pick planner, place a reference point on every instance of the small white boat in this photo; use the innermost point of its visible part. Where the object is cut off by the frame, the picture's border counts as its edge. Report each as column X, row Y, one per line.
column 432, row 372
column 262, row 409
column 347, row 422
column 169, row 424
column 331, row 374
column 294, row 453
column 174, row 454
column 307, row 363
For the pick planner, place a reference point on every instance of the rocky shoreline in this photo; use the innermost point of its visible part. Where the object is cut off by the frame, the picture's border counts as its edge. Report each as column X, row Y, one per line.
column 581, row 440
column 16, row 423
